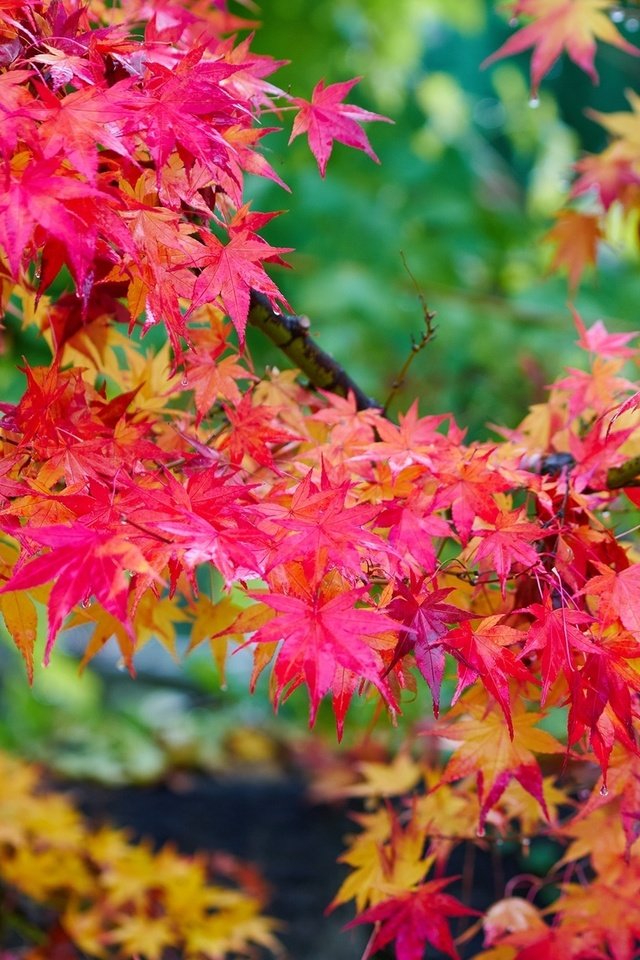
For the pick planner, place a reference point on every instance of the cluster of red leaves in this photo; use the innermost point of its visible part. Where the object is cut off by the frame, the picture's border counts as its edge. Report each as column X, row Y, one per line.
column 365, row 548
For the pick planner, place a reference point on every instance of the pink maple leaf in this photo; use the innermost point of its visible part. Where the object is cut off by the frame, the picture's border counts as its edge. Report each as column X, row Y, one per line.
column 325, row 119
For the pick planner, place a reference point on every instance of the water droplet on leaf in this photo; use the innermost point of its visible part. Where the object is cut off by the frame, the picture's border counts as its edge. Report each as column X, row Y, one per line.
column 480, row 831
column 184, row 382
column 604, row 791
column 617, row 15
column 513, row 22
column 534, row 102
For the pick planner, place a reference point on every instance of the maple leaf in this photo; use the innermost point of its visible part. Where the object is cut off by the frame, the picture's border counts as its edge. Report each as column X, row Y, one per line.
column 508, row 543
column 230, row 271
column 325, row 118
column 620, row 596
column 483, row 652
column 415, row 919
column 556, row 633
column 558, row 25
column 319, row 522
column 386, row 858
column 21, row 620
column 611, row 175
column 415, row 526
column 44, row 200
column 74, row 126
column 179, row 105
column 252, row 431
column 321, row 631
column 576, row 236
column 496, row 755
column 467, row 484
column 598, row 340
column 83, row 563
column 212, row 377
column 425, row 618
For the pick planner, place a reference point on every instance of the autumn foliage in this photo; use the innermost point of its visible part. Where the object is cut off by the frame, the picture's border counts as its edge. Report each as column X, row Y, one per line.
column 356, row 556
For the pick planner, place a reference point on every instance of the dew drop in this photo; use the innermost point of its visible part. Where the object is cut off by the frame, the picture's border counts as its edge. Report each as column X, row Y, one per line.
column 525, row 846
column 184, row 382
column 480, row 831
column 121, row 665
column 85, row 603
column 604, row 791
column 123, row 519
column 224, row 686
column 513, row 22
column 534, row 102
column 617, row 15
column 632, row 25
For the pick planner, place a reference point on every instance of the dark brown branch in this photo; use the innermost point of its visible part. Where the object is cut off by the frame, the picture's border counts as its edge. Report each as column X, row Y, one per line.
column 625, row 475
column 290, row 333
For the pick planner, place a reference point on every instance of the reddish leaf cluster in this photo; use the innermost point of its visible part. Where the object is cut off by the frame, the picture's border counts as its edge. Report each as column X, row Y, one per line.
column 383, row 551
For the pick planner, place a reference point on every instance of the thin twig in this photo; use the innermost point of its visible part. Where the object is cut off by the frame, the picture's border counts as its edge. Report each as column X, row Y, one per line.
column 416, row 346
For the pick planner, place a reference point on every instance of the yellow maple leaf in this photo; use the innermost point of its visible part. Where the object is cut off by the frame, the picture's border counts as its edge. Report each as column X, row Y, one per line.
column 21, row 620
column 141, row 934
column 387, row 860
column 488, row 752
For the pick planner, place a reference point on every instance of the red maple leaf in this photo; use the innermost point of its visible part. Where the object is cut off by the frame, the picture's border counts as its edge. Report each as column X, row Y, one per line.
column 84, row 563
column 325, row 118
column 319, row 523
column 42, row 202
column 415, row 919
column 556, row 633
column 483, row 651
column 179, row 104
column 230, row 271
column 322, row 634
column 425, row 618
column 253, row 429
column 509, row 543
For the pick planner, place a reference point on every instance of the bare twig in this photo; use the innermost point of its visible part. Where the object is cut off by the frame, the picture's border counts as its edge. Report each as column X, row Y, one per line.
column 416, row 346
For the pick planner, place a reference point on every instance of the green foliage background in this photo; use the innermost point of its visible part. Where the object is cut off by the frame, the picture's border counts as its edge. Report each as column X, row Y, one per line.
column 469, row 179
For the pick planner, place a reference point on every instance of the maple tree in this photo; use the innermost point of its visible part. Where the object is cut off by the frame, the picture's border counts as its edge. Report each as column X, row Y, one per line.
column 352, row 554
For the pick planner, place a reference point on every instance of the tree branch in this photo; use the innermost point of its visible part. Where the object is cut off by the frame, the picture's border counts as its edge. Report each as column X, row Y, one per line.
column 290, row 333
column 626, row 475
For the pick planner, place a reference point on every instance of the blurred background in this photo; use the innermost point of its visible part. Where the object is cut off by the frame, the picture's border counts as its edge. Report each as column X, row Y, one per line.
column 471, row 174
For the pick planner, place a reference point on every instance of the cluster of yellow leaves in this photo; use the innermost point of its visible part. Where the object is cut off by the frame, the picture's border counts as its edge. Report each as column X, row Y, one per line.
column 112, row 898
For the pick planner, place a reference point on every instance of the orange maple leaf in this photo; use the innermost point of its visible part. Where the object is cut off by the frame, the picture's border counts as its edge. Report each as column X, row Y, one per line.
column 576, row 236
column 488, row 751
